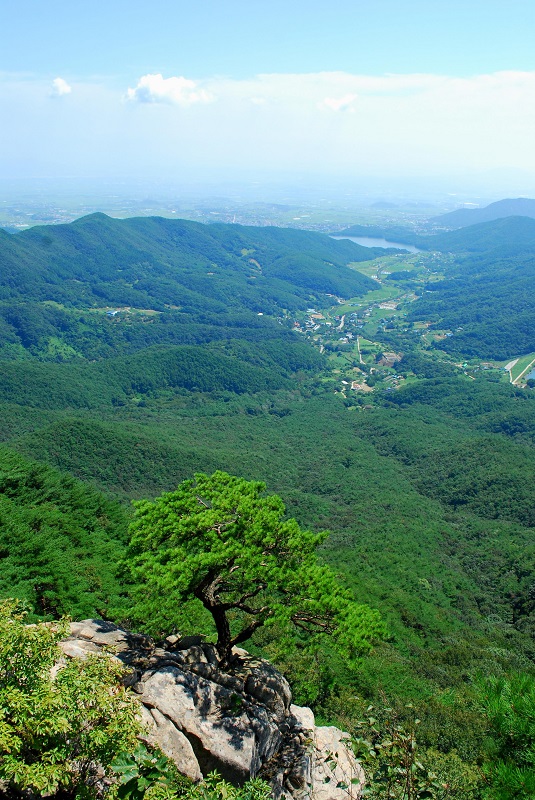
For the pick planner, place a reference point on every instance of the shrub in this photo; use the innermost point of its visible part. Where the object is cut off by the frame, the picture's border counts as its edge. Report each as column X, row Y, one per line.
column 61, row 725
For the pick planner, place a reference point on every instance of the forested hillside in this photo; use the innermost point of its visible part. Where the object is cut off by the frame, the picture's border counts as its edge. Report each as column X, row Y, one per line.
column 500, row 239
column 60, row 541
column 154, row 263
column 487, row 298
column 101, row 287
column 348, row 407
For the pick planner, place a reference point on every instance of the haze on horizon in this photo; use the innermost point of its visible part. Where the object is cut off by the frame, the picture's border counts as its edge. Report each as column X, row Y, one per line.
column 225, row 92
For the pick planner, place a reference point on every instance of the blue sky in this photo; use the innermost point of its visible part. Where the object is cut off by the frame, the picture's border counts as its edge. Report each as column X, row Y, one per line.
column 168, row 88
column 240, row 38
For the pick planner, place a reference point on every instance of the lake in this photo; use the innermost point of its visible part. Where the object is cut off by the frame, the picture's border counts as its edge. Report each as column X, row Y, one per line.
column 367, row 241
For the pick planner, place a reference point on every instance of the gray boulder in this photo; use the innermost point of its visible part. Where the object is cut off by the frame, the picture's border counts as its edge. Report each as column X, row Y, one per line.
column 239, row 722
column 163, row 733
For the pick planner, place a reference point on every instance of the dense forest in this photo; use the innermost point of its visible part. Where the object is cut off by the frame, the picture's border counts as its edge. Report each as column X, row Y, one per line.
column 138, row 352
column 486, row 297
column 154, row 263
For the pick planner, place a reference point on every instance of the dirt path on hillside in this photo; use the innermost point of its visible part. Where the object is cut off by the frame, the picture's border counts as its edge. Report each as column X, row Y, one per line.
column 361, row 360
column 509, row 367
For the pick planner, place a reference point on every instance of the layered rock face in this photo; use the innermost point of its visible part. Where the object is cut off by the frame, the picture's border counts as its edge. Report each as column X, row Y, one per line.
column 240, row 722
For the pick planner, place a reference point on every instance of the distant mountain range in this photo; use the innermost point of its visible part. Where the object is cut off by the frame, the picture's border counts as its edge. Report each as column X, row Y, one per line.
column 519, row 207
column 503, row 238
column 202, row 306
column 509, row 235
column 69, row 292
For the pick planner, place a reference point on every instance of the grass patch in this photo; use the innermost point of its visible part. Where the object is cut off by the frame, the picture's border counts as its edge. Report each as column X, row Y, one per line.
column 378, row 296
column 522, row 366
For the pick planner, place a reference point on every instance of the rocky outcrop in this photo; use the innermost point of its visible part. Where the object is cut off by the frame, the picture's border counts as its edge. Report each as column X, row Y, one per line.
column 239, row 722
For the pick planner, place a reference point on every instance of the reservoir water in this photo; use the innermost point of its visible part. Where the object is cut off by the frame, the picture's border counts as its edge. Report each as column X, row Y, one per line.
column 367, row 241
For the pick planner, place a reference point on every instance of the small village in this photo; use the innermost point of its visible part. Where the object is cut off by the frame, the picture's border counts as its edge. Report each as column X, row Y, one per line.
column 354, row 334
column 358, row 363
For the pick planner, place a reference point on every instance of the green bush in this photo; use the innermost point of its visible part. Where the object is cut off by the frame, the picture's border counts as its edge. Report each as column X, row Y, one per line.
column 149, row 776
column 60, row 728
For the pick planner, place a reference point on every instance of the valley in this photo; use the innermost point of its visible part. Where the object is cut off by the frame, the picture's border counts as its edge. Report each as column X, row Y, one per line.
column 353, row 332
column 136, row 353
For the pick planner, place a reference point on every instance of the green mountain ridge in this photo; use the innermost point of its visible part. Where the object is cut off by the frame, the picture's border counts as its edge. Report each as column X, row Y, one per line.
column 154, row 262
column 487, row 298
column 462, row 217
column 508, row 237
column 100, row 288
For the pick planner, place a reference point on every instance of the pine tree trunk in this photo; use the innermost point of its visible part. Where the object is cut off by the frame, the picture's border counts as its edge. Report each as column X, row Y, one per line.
column 206, row 592
column 224, row 639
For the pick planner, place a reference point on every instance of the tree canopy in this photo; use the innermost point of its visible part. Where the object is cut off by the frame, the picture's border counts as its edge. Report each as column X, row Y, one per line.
column 221, row 540
column 509, row 705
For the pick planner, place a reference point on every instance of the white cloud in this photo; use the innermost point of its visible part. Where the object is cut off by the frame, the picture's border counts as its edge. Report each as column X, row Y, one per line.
column 176, row 90
column 315, row 88
column 339, row 103
column 60, row 87
column 393, row 124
